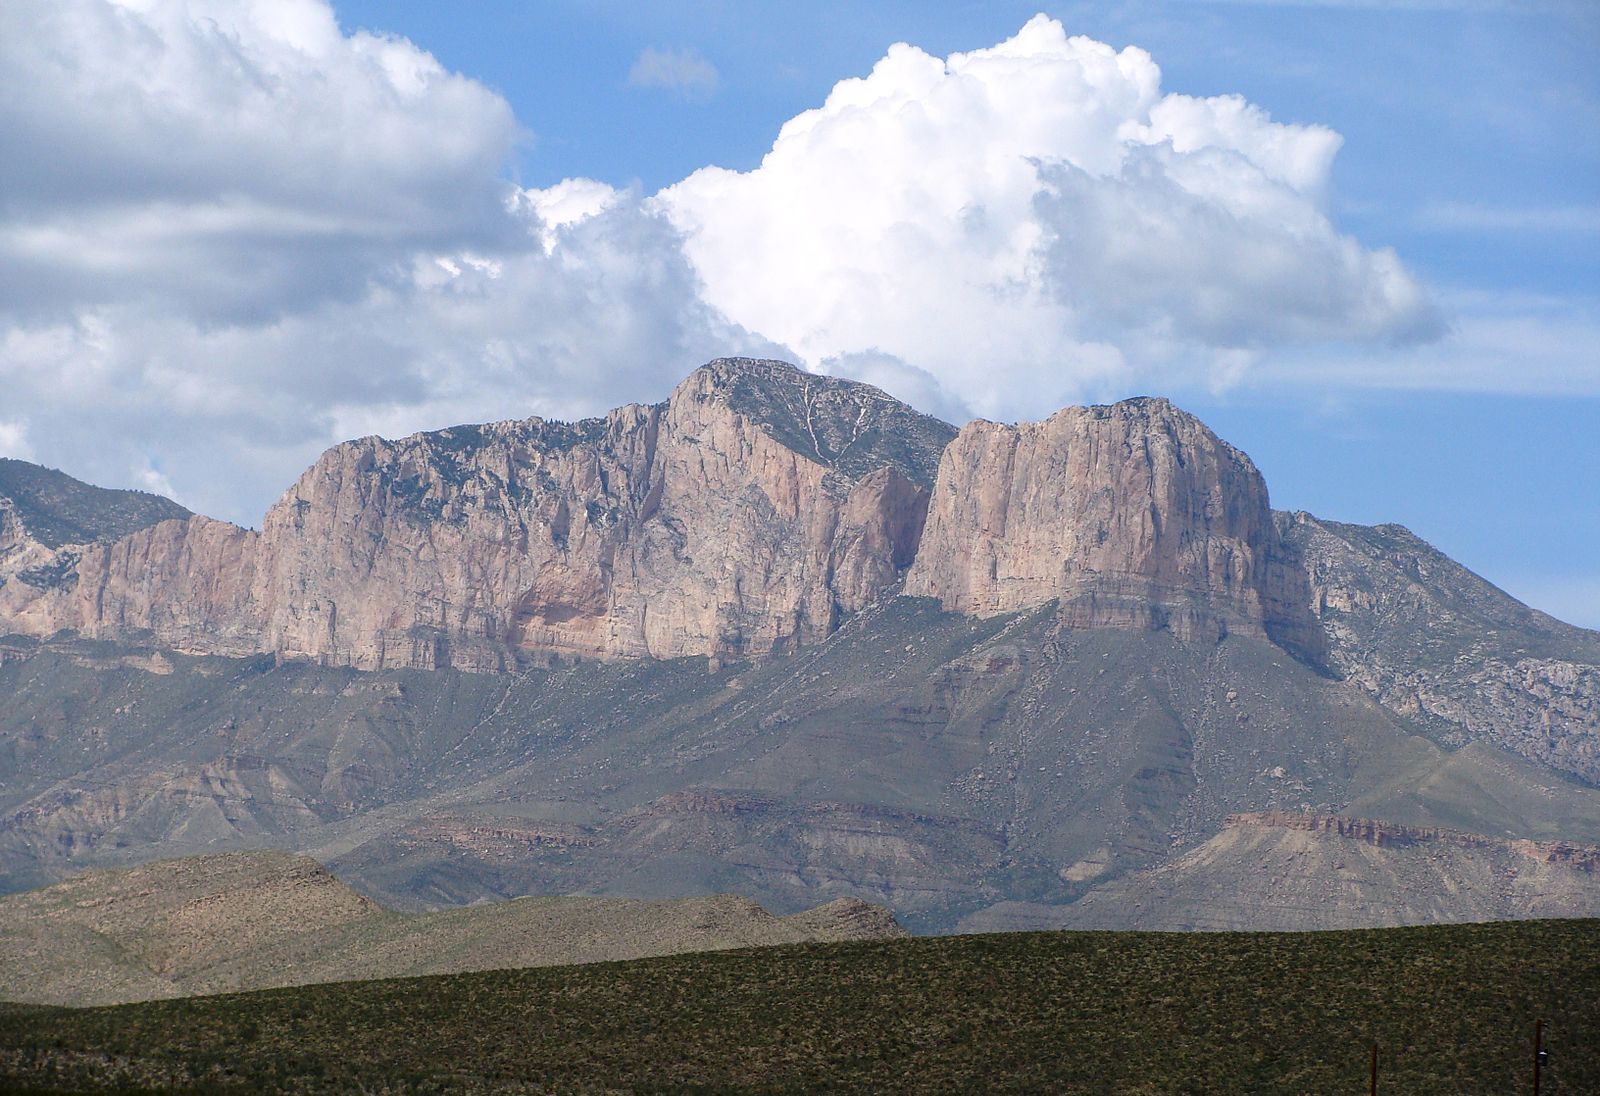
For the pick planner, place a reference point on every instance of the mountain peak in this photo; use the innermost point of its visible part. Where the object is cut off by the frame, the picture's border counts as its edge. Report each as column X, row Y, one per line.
column 846, row 426
column 57, row 509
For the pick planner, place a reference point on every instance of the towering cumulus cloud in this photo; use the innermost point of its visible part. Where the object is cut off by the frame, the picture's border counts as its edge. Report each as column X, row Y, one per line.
column 232, row 233
column 1038, row 213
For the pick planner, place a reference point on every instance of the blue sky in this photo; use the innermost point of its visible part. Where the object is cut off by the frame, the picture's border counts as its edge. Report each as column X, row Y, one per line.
column 1465, row 403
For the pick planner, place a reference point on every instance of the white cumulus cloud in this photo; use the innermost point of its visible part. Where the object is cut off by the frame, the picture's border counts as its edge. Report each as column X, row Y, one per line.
column 1037, row 221
column 232, row 234
column 229, row 158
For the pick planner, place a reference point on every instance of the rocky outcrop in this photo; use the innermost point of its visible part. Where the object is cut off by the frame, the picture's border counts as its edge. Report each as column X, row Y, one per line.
column 1130, row 515
column 49, row 523
column 1584, row 858
column 749, row 513
column 190, row 585
column 1446, row 650
column 1284, row 872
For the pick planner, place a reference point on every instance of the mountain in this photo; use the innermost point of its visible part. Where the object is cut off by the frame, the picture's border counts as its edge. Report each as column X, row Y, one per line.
column 1133, row 516
column 750, row 512
column 1443, row 648
column 785, row 637
column 53, row 509
column 240, row 921
column 48, row 520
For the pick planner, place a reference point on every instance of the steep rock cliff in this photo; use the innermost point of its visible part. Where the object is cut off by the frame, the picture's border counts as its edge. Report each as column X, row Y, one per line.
column 49, row 523
column 748, row 513
column 1131, row 515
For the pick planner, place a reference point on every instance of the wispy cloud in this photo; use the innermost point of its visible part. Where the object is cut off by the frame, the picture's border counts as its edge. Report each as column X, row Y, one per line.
column 1477, row 217
column 681, row 71
column 14, row 440
column 1404, row 5
column 1510, row 343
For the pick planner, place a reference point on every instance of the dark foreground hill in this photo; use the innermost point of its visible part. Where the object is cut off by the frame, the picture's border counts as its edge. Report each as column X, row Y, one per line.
column 1452, row 1009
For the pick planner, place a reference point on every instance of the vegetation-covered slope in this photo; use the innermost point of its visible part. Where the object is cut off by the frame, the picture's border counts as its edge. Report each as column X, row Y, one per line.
column 56, row 509
column 1452, row 1009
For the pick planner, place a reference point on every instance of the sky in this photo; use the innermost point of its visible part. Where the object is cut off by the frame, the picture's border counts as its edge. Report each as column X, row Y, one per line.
column 1360, row 240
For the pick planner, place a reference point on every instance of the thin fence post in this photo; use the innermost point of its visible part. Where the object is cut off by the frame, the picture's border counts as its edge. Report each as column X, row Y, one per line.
column 1538, row 1053
column 1374, row 1069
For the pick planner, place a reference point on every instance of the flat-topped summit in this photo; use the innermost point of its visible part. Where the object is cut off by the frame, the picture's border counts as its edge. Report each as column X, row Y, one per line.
column 1131, row 514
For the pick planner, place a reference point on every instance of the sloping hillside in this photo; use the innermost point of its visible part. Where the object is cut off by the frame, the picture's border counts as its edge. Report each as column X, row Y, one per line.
column 238, row 921
column 56, row 509
column 1284, row 871
column 978, row 761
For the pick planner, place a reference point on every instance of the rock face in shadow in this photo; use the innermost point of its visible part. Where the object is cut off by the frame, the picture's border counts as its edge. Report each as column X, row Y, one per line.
column 748, row 514
column 1130, row 515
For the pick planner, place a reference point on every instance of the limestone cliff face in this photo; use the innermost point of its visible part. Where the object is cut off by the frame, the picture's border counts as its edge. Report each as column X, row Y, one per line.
column 54, row 530
column 1131, row 515
column 744, row 515
column 679, row 529
column 190, row 584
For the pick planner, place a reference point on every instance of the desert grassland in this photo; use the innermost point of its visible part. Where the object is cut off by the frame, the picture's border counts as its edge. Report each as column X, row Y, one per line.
column 1452, row 1009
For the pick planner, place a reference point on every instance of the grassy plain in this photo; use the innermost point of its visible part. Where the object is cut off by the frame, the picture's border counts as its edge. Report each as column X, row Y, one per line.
column 1452, row 1009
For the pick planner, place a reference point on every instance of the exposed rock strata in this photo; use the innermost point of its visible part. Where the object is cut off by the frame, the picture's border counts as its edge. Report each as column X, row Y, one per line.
column 1584, row 858
column 1307, row 874
column 1132, row 515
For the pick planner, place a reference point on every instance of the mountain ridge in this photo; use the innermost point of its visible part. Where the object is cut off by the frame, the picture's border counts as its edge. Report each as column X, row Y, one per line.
column 754, row 510
column 1061, row 659
column 55, row 509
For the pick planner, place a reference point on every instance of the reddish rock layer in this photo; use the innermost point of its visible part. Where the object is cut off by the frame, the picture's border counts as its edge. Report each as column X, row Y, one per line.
column 1584, row 858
